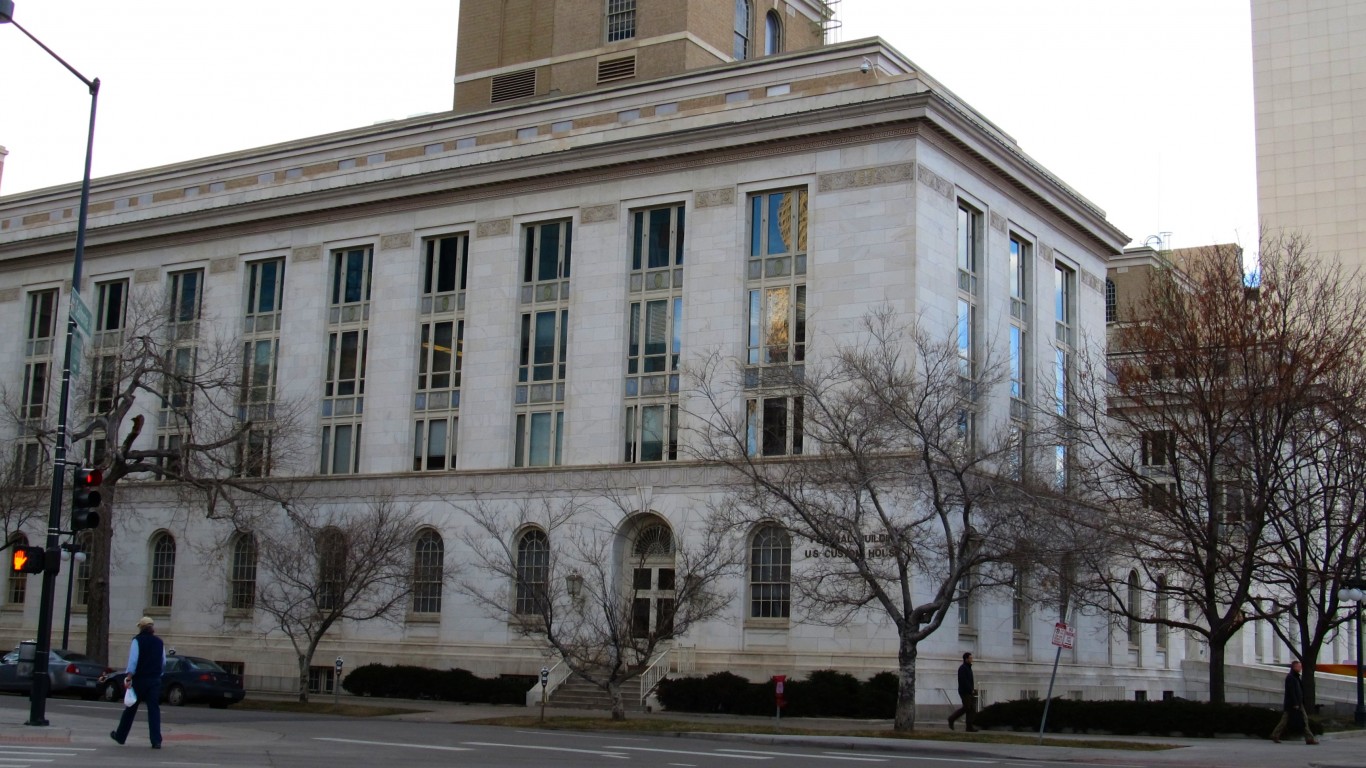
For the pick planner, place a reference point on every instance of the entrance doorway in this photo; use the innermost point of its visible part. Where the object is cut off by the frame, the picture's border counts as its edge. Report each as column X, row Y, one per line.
column 651, row 576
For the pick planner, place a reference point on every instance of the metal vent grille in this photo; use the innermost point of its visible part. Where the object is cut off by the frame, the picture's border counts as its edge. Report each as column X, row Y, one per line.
column 513, row 85
column 617, row 69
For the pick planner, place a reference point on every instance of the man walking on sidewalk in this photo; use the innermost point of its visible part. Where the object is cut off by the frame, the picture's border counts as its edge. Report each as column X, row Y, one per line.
column 967, row 689
column 146, row 660
column 1293, row 714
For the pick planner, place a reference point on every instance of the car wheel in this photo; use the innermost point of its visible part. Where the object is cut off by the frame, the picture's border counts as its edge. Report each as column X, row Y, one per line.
column 175, row 696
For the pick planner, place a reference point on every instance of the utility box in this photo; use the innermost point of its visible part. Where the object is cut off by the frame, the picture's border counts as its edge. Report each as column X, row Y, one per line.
column 28, row 652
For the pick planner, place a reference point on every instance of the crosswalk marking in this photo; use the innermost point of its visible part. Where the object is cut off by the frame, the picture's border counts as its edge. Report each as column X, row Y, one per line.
column 598, row 752
column 828, row 755
column 394, row 744
column 694, row 754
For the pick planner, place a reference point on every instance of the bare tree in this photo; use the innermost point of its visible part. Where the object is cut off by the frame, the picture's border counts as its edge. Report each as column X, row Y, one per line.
column 208, row 435
column 1216, row 383
column 572, row 585
column 905, row 505
column 23, row 499
column 1316, row 537
column 320, row 568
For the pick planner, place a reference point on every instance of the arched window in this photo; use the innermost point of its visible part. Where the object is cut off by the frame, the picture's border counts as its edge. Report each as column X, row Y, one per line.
column 161, row 585
column 741, row 30
column 429, row 557
column 654, row 539
column 770, row 574
column 533, row 571
column 242, row 573
column 1135, row 604
column 18, row 582
column 773, row 34
column 331, row 569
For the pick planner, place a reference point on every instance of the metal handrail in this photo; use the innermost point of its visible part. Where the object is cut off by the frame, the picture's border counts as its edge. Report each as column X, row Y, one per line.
column 655, row 672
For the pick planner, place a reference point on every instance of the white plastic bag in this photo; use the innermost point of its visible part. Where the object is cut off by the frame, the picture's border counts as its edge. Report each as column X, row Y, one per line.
column 129, row 697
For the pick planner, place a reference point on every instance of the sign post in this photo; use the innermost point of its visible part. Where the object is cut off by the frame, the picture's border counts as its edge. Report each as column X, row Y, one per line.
column 778, row 699
column 1063, row 637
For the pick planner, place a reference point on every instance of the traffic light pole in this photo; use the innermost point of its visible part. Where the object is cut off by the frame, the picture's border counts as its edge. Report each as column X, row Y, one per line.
column 42, row 681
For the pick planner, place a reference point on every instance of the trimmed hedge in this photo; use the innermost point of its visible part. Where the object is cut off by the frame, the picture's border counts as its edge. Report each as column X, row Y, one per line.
column 409, row 682
column 1156, row 718
column 825, row 693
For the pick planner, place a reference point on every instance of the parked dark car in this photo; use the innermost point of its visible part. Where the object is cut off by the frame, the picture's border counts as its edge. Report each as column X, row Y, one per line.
column 186, row 679
column 69, row 672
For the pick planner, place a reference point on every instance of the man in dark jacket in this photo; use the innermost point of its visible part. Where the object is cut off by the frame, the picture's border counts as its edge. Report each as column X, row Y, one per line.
column 146, row 661
column 1292, row 707
column 967, row 689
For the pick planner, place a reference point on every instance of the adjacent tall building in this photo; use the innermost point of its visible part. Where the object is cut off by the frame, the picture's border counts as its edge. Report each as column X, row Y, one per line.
column 499, row 303
column 1309, row 81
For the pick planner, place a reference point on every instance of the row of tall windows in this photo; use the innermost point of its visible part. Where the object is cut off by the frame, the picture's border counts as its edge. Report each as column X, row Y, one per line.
column 776, row 337
column 970, row 249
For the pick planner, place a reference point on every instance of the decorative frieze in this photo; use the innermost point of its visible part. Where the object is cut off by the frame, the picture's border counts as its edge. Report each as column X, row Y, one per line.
column 934, row 181
column 596, row 213
column 998, row 222
column 714, row 198
column 493, row 228
column 396, row 241
column 1046, row 254
column 1091, row 281
column 9, row 294
column 223, row 265
column 148, row 275
column 866, row 177
column 306, row 253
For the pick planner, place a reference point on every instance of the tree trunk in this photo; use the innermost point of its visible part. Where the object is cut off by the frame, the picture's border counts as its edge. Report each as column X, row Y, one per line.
column 97, row 591
column 305, row 659
column 1217, row 652
column 1310, row 658
column 618, row 702
column 905, row 691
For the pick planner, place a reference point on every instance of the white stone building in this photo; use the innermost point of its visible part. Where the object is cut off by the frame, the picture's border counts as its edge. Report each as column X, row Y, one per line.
column 856, row 173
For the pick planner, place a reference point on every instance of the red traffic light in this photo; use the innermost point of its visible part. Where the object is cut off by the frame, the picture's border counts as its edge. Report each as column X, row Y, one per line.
column 85, row 498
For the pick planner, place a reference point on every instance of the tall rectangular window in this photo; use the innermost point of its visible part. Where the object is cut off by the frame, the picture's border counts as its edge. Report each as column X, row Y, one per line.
column 185, row 295
column 621, row 20
column 654, row 335
column 41, row 328
column 348, row 336
column 441, row 340
column 260, row 362
column 543, row 343
column 110, row 310
column 1021, row 257
column 776, row 332
column 1064, row 339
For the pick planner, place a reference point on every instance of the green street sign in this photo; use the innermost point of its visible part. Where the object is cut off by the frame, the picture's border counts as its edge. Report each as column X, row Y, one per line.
column 77, row 354
column 80, row 313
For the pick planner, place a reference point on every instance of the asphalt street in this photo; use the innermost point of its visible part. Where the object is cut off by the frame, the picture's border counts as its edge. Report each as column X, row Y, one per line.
column 199, row 737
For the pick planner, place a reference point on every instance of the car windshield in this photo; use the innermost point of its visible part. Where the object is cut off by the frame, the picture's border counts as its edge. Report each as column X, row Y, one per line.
column 203, row 665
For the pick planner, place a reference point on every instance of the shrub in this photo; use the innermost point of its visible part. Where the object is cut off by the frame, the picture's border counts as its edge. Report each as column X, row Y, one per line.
column 1157, row 718
column 409, row 682
column 825, row 693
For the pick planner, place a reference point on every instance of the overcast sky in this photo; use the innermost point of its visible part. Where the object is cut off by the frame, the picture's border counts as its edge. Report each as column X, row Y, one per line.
column 1143, row 106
